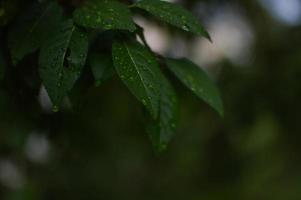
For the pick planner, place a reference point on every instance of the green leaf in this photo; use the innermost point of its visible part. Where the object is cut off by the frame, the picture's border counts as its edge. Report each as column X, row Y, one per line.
column 197, row 81
column 105, row 14
column 162, row 130
column 102, row 67
column 139, row 70
column 174, row 15
column 61, row 60
column 33, row 28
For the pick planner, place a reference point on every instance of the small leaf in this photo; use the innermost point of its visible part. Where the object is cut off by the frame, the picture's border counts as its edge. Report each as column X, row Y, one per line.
column 105, row 14
column 139, row 70
column 197, row 81
column 61, row 60
column 174, row 15
column 162, row 130
column 102, row 67
column 33, row 28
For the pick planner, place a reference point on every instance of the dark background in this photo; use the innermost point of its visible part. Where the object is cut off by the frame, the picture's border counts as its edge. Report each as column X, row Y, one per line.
column 97, row 147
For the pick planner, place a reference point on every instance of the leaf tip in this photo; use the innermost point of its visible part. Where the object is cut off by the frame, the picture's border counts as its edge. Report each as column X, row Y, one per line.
column 207, row 35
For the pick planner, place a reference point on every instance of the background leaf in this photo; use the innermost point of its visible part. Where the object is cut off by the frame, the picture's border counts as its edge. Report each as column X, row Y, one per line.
column 62, row 59
column 101, row 66
column 162, row 130
column 33, row 27
column 104, row 15
column 174, row 15
column 197, row 81
column 139, row 70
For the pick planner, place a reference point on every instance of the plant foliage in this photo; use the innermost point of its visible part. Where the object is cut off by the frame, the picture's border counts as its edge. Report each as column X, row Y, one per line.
column 63, row 32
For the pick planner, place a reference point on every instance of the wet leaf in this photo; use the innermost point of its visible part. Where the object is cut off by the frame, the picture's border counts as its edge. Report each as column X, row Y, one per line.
column 163, row 129
column 174, row 15
column 106, row 15
column 197, row 81
column 33, row 27
column 61, row 60
column 139, row 71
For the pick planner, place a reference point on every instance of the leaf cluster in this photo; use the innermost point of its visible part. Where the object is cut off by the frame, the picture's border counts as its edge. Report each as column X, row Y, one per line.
column 63, row 36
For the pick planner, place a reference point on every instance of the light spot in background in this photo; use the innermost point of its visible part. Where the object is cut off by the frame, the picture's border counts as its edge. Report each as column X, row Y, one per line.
column 10, row 175
column 232, row 39
column 37, row 148
column 44, row 100
column 178, row 48
column 46, row 104
column 156, row 37
column 287, row 11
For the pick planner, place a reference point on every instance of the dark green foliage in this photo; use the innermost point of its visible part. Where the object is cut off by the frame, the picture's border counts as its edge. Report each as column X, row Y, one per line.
column 33, row 27
column 104, row 15
column 61, row 60
column 163, row 128
column 197, row 81
column 63, row 33
column 174, row 15
column 140, row 72
column 102, row 67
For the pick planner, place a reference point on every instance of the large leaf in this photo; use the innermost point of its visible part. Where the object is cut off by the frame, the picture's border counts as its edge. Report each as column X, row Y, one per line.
column 174, row 15
column 61, row 60
column 162, row 129
column 104, row 14
column 102, row 67
column 197, row 81
column 33, row 28
column 139, row 70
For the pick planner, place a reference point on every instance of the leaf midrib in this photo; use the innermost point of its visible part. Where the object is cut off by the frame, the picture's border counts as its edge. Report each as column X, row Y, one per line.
column 64, row 54
column 137, row 69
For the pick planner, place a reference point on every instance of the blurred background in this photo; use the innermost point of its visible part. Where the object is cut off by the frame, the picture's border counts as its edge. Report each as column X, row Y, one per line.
column 97, row 147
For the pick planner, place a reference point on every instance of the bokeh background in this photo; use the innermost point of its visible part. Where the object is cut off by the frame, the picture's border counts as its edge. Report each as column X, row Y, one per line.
column 97, row 147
